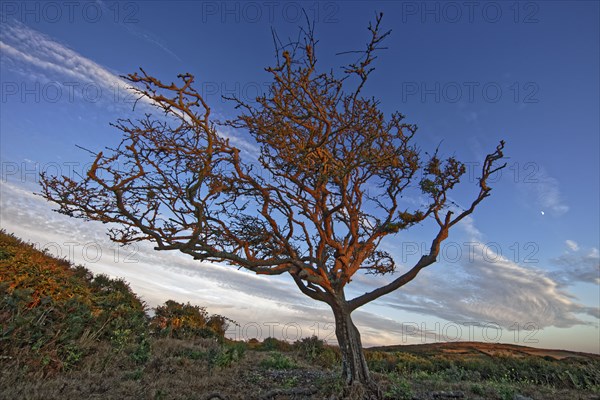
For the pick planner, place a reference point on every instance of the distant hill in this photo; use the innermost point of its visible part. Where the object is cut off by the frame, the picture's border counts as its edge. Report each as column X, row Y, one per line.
column 483, row 348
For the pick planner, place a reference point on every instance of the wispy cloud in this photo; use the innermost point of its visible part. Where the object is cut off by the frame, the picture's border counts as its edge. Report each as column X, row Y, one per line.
column 42, row 59
column 24, row 44
column 543, row 191
column 143, row 34
column 483, row 286
column 39, row 58
column 572, row 245
column 577, row 266
column 501, row 291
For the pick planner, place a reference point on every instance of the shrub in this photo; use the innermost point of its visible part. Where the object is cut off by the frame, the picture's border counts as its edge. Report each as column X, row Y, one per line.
column 399, row 388
column 310, row 348
column 478, row 389
column 330, row 357
column 381, row 361
column 224, row 355
column 276, row 360
column 118, row 311
column 273, row 344
column 318, row 352
column 187, row 321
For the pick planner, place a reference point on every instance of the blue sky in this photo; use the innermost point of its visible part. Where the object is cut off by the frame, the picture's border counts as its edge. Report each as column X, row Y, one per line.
column 469, row 74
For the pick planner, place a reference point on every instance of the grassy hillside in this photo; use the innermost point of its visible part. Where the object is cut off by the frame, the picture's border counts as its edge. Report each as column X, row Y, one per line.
column 51, row 312
column 69, row 334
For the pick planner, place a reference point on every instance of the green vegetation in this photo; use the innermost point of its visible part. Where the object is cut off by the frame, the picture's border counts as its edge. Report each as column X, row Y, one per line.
column 50, row 312
column 316, row 352
column 478, row 375
column 572, row 373
column 277, row 360
column 399, row 388
column 53, row 314
column 69, row 334
column 224, row 356
column 186, row 321
column 273, row 344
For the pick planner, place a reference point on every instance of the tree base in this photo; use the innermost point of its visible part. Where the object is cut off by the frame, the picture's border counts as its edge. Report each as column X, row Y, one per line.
column 363, row 391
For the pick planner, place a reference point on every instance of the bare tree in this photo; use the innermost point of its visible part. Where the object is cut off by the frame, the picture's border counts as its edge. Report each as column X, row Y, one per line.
column 323, row 194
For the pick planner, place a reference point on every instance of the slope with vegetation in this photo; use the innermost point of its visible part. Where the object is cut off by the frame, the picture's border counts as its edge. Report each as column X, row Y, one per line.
column 69, row 334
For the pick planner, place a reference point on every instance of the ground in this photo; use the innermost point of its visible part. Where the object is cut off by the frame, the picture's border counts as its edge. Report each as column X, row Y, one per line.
column 67, row 334
column 205, row 369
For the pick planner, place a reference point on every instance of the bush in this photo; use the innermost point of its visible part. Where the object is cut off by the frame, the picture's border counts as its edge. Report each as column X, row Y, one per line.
column 399, row 388
column 316, row 351
column 330, row 357
column 224, row 355
column 186, row 321
column 118, row 310
column 478, row 389
column 273, row 344
column 382, row 362
column 276, row 360
column 310, row 348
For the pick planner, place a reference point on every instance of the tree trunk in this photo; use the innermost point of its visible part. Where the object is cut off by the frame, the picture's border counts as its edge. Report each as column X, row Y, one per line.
column 355, row 370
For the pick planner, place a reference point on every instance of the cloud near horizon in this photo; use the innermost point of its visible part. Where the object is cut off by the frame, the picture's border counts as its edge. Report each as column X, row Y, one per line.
column 501, row 292
column 483, row 286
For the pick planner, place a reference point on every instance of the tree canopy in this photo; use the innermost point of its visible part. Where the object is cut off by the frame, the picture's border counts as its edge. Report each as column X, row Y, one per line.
column 323, row 192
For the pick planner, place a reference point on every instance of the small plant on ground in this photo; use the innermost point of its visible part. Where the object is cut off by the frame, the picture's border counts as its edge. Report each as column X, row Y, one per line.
column 135, row 375
column 277, row 360
column 224, row 355
column 142, row 351
column 505, row 391
column 478, row 389
column 317, row 352
column 310, row 348
column 273, row 344
column 399, row 388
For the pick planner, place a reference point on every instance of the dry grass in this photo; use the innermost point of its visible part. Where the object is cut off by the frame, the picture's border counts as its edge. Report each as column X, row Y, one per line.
column 182, row 369
column 176, row 370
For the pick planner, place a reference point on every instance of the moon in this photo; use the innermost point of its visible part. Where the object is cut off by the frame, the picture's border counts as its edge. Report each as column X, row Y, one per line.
column 542, row 212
